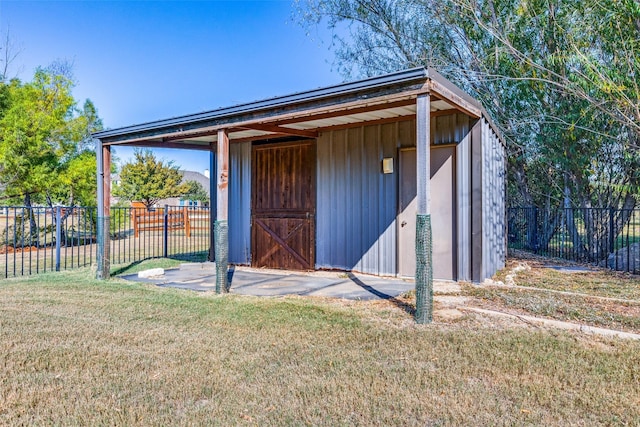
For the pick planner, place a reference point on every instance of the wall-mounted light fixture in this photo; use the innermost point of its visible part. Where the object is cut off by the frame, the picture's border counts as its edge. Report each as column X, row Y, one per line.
column 387, row 165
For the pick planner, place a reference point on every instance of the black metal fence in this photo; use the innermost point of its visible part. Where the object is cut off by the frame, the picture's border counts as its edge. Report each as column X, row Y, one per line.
column 606, row 237
column 37, row 239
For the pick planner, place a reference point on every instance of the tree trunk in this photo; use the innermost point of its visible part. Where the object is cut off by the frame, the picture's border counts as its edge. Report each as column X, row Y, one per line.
column 33, row 227
column 63, row 218
column 578, row 247
column 624, row 214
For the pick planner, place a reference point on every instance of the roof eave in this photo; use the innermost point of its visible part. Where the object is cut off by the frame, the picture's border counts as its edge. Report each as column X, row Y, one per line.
column 397, row 78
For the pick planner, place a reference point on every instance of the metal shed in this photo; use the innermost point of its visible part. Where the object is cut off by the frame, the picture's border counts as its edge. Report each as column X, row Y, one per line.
column 334, row 178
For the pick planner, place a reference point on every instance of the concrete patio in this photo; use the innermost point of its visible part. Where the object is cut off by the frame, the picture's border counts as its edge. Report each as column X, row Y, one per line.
column 262, row 282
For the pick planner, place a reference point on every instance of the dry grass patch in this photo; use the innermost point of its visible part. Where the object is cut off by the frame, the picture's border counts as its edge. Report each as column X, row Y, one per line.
column 76, row 351
column 597, row 282
column 595, row 297
column 591, row 311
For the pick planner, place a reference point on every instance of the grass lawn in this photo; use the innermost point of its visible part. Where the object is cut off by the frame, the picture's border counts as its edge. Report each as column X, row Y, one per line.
column 77, row 351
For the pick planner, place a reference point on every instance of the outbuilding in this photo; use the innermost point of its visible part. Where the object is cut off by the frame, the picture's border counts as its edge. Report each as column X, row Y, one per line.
column 336, row 177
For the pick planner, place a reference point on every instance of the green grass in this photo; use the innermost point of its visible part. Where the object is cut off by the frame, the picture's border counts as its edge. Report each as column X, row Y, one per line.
column 77, row 351
column 135, row 267
column 122, row 253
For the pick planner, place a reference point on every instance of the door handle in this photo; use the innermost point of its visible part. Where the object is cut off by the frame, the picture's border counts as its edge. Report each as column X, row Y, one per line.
column 403, row 223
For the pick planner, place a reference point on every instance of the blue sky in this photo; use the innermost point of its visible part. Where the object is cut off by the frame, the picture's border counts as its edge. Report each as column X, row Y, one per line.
column 146, row 60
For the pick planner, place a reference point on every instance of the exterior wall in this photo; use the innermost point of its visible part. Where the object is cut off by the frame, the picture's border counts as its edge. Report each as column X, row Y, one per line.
column 463, row 196
column 240, row 203
column 356, row 202
column 493, row 201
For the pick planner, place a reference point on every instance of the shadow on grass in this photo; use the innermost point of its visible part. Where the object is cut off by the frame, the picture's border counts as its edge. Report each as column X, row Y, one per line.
column 395, row 301
column 125, row 268
column 200, row 256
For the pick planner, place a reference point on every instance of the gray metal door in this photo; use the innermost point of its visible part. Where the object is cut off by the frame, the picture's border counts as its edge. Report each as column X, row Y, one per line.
column 407, row 204
column 443, row 213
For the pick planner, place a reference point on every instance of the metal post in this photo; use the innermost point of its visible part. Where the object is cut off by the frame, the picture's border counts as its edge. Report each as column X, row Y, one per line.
column 424, row 268
column 611, row 236
column 58, row 236
column 103, row 163
column 99, row 219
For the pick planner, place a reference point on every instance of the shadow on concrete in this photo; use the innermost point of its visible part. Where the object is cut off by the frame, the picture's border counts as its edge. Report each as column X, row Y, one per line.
column 395, row 301
column 230, row 272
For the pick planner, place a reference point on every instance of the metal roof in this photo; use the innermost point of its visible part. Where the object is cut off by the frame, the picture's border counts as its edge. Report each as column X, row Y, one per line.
column 388, row 97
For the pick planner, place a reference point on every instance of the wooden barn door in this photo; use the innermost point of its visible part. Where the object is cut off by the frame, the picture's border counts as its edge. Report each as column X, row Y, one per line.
column 283, row 205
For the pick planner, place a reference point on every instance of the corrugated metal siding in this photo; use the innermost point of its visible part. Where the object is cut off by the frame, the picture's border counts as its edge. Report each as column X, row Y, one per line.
column 240, row 203
column 356, row 204
column 463, row 200
column 445, row 129
column 493, row 203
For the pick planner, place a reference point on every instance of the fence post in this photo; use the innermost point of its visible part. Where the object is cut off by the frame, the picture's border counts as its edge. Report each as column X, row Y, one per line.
column 611, row 236
column 166, row 231
column 58, row 237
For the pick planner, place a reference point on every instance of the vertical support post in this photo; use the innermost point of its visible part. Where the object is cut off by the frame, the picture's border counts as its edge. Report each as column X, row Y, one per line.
column 212, row 203
column 424, row 267
column 165, row 231
column 103, row 159
column 187, row 221
column 222, row 209
column 477, row 219
column 58, row 236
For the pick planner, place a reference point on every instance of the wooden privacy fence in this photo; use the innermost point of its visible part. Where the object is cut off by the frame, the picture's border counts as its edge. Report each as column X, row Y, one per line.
column 168, row 219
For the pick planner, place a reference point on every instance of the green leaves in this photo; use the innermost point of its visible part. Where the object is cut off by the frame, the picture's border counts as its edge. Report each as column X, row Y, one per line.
column 43, row 135
column 196, row 192
column 559, row 77
column 148, row 180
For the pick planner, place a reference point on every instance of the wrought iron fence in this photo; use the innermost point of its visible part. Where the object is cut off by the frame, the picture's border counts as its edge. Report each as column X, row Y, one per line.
column 37, row 239
column 606, row 237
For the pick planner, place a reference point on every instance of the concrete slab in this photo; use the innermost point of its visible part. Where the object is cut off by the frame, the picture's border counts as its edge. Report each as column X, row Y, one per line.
column 247, row 281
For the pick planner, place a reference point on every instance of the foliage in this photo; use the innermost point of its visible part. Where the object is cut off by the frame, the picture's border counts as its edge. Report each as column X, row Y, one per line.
column 558, row 76
column 148, row 180
column 196, row 192
column 45, row 141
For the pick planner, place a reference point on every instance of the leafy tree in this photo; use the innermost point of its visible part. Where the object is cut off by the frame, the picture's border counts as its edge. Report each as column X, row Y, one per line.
column 195, row 191
column 42, row 133
column 560, row 78
column 148, row 180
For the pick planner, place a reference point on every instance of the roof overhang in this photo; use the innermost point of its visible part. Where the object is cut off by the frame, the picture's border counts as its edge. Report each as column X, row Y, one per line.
column 387, row 98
